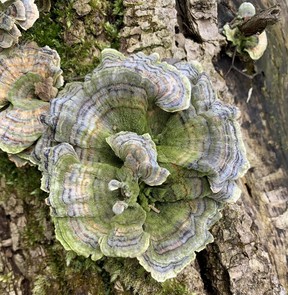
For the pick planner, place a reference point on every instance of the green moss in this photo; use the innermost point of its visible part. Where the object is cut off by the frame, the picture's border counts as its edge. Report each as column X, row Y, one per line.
column 49, row 30
column 175, row 287
column 30, row 197
column 100, row 5
column 55, row 271
column 81, row 275
column 16, row 179
column 135, row 280
column 6, row 278
column 113, row 33
column 79, row 58
column 118, row 15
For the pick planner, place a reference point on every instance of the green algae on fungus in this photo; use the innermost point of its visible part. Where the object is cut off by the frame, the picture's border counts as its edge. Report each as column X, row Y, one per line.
column 22, row 13
column 29, row 77
column 139, row 160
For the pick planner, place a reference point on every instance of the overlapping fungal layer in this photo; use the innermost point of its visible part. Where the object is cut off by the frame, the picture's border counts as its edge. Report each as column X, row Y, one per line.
column 144, row 156
column 176, row 232
column 29, row 77
column 139, row 154
column 83, row 215
column 22, row 13
column 205, row 138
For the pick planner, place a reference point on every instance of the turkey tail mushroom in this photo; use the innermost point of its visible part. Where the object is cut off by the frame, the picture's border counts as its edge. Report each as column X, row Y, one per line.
column 141, row 157
column 29, row 77
column 23, row 13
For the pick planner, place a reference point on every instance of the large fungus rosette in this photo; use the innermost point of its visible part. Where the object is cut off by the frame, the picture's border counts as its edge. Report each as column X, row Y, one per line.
column 143, row 157
column 12, row 13
column 29, row 77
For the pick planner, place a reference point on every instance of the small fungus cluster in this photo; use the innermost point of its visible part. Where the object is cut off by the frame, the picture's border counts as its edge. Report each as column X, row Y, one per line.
column 255, row 44
column 14, row 14
column 29, row 77
column 138, row 159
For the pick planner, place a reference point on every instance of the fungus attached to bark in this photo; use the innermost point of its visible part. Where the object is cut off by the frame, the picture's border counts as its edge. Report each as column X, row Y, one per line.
column 144, row 155
column 29, row 77
column 14, row 13
column 254, row 44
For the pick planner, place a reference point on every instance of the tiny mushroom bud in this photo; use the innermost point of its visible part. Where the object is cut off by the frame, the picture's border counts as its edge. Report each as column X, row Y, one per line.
column 114, row 185
column 246, row 9
column 119, row 207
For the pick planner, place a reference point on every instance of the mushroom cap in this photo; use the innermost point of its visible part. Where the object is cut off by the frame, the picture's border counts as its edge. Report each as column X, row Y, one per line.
column 256, row 51
column 246, row 9
column 139, row 161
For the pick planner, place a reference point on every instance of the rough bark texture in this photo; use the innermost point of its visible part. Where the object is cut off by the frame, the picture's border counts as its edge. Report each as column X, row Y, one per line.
column 249, row 254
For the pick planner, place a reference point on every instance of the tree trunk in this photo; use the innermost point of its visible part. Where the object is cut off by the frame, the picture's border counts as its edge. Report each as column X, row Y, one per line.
column 249, row 253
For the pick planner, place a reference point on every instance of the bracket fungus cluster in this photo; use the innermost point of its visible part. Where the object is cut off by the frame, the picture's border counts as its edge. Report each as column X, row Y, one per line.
column 254, row 44
column 138, row 161
column 29, row 77
column 14, row 13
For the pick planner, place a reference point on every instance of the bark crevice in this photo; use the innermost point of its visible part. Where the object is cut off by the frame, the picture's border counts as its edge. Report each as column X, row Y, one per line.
column 212, row 270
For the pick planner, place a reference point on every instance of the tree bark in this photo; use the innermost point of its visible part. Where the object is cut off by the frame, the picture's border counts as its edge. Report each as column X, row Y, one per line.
column 249, row 255
column 250, row 250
